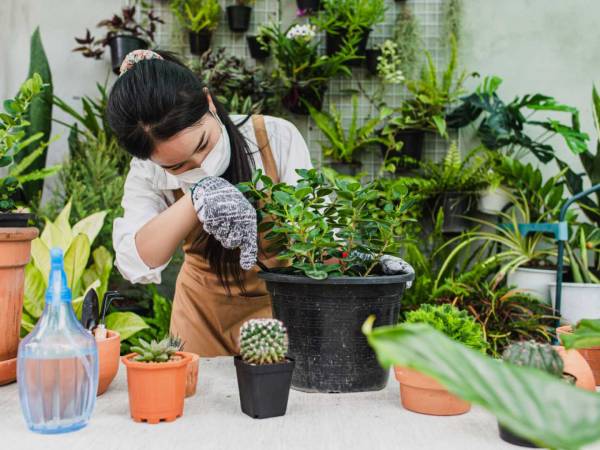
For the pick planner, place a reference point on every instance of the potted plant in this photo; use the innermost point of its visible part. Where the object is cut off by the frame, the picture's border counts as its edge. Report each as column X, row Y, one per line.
column 258, row 44
column 156, row 379
column 15, row 235
column 238, row 15
column 308, row 6
column 264, row 373
column 346, row 142
column 343, row 19
column 301, row 72
column 124, row 34
column 422, row 394
column 200, row 18
column 334, row 236
column 585, row 337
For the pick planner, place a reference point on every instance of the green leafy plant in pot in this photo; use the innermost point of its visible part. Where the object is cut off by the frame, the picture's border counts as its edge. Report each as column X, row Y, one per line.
column 333, row 234
column 259, row 44
column 238, row 15
column 200, row 18
column 264, row 373
column 124, row 34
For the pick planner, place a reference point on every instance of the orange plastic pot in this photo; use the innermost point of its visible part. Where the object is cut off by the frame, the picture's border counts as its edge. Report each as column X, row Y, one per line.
column 108, row 359
column 422, row 394
column 15, row 252
column 156, row 390
column 191, row 375
column 576, row 365
column 590, row 354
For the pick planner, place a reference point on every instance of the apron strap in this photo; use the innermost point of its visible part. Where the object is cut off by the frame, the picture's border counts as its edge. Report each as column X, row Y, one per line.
column 262, row 140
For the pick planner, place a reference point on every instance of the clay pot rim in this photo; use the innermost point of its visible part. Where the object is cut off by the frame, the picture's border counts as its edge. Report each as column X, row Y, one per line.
column 18, row 234
column 110, row 336
column 186, row 358
column 195, row 356
column 417, row 379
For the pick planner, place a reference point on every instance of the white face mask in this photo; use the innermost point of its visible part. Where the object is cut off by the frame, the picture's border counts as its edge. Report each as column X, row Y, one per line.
column 214, row 165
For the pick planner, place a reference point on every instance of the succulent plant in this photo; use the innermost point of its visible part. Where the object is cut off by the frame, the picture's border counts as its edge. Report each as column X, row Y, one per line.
column 263, row 341
column 536, row 355
column 155, row 351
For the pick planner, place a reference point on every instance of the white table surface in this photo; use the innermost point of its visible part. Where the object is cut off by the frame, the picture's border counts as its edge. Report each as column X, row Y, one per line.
column 213, row 419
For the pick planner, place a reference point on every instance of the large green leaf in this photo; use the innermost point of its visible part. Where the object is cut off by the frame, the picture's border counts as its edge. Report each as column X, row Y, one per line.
column 125, row 323
column 532, row 403
column 62, row 221
column 99, row 271
column 76, row 258
column 40, row 254
column 35, row 288
column 55, row 237
column 90, row 225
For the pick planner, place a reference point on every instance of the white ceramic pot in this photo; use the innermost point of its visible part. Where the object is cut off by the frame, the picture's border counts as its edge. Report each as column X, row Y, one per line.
column 533, row 281
column 493, row 201
column 578, row 301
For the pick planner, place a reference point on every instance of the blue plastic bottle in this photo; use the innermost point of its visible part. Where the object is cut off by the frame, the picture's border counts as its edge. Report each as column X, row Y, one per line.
column 57, row 364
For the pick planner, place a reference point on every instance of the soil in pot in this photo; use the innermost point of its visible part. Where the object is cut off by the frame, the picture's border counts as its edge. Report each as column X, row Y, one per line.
column 324, row 319
column 120, row 46
column 108, row 359
column 308, row 6
column 346, row 168
column 14, row 220
column 156, row 390
column 412, row 148
column 294, row 100
column 238, row 17
column 264, row 389
column 335, row 42
column 256, row 51
column 422, row 394
column 199, row 42
column 371, row 60
column 591, row 354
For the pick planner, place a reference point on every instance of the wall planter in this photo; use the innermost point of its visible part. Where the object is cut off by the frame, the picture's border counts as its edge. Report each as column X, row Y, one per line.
column 108, row 359
column 534, row 281
column 264, row 389
column 456, row 207
column 191, row 374
column 120, row 46
column 493, row 201
column 294, row 100
column 156, row 389
column 579, row 300
column 413, row 143
column 256, row 51
column 324, row 319
column 422, row 394
column 344, row 168
column 371, row 60
column 590, row 354
column 200, row 41
column 308, row 6
column 238, row 17
column 335, row 42
column 15, row 252
column 14, row 220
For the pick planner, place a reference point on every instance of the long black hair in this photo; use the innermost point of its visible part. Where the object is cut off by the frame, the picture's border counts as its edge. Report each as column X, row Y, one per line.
column 155, row 100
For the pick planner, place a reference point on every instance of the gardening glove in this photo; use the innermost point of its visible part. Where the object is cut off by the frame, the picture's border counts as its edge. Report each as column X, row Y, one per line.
column 390, row 265
column 227, row 215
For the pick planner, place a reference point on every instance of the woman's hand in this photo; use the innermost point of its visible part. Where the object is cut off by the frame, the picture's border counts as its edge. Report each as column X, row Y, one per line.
column 227, row 215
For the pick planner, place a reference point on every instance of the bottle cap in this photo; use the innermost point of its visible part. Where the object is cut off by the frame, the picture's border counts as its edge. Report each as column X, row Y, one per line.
column 58, row 290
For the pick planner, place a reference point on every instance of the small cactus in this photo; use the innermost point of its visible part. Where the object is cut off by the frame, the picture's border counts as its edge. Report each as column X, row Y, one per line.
column 536, row 355
column 263, row 341
column 155, row 351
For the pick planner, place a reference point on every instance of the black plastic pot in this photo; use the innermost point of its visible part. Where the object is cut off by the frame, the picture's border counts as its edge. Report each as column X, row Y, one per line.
column 14, row 220
column 256, row 51
column 324, row 319
column 238, row 17
column 456, row 206
column 309, row 6
column 120, row 46
column 293, row 100
column 346, row 168
column 412, row 147
column 335, row 42
column 508, row 436
column 200, row 41
column 264, row 389
column 371, row 61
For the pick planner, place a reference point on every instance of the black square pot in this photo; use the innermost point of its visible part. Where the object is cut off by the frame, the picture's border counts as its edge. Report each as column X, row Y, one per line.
column 309, row 6
column 14, row 220
column 256, row 51
column 238, row 17
column 199, row 42
column 335, row 42
column 508, row 436
column 413, row 142
column 120, row 46
column 264, row 389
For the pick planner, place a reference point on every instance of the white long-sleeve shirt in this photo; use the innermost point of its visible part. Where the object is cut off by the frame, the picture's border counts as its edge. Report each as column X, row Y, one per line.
column 149, row 191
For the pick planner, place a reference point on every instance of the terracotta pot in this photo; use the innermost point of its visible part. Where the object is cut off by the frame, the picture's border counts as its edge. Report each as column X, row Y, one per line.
column 191, row 375
column 156, row 390
column 422, row 394
column 108, row 359
column 591, row 354
column 576, row 365
column 15, row 252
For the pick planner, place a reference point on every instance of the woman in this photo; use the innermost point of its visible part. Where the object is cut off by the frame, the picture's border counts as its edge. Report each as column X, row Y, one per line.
column 187, row 156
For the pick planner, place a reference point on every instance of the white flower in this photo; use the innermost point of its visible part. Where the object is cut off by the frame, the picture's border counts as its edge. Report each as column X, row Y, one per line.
column 301, row 32
column 389, row 63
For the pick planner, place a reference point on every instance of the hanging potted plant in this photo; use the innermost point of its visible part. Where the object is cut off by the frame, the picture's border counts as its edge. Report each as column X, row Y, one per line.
column 307, row 7
column 259, row 44
column 156, row 380
column 264, row 373
column 422, row 394
column 15, row 235
column 238, row 15
column 345, row 20
column 338, row 241
column 346, row 142
column 302, row 73
column 124, row 34
column 200, row 18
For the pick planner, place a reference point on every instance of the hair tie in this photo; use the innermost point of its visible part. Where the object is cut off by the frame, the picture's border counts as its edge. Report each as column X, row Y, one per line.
column 135, row 57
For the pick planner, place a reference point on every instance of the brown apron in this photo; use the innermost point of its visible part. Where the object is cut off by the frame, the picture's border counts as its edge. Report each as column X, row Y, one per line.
column 204, row 315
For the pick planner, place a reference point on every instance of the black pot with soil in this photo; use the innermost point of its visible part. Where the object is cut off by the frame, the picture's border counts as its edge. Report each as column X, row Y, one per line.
column 412, row 148
column 346, row 168
column 294, row 100
column 256, row 51
column 238, row 17
column 200, row 41
column 335, row 41
column 14, row 220
column 264, row 389
column 324, row 319
column 120, row 45
column 308, row 6
column 371, row 60
column 508, row 436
